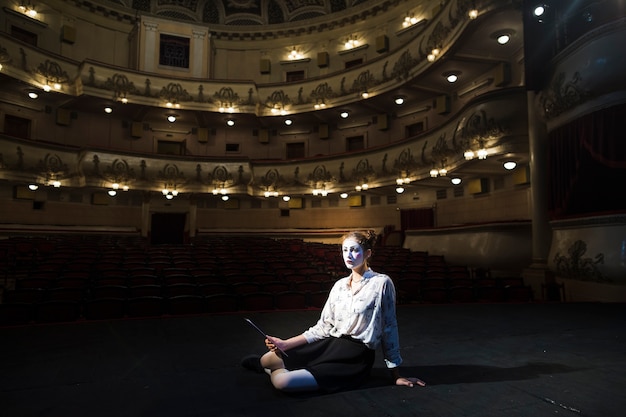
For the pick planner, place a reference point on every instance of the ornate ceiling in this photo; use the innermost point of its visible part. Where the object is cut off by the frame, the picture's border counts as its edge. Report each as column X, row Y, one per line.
column 238, row 12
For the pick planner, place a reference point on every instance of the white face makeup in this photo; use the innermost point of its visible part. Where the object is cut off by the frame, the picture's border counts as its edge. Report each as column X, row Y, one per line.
column 353, row 253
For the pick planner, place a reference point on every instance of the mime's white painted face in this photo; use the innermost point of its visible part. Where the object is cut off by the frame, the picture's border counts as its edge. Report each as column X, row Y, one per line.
column 353, row 254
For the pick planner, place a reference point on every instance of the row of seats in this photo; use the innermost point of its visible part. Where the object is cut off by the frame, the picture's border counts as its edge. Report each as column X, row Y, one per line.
column 82, row 270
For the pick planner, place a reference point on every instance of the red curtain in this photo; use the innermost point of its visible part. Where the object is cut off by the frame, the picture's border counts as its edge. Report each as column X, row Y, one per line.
column 587, row 165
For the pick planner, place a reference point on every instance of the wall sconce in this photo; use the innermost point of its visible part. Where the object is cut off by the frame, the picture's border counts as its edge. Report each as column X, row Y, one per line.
column 320, row 192
column 226, row 108
column 343, row 195
column 399, row 100
column 171, row 118
column 230, row 122
column 33, row 95
column 409, row 20
column 481, row 153
column 344, row 114
column 46, row 87
column 112, row 193
column 441, row 172
column 320, row 104
column 169, row 194
column 33, row 187
column 455, row 180
column 217, row 191
column 295, row 54
column 28, row 9
column 225, row 197
column 286, row 198
column 278, row 109
column 352, row 42
column 362, row 187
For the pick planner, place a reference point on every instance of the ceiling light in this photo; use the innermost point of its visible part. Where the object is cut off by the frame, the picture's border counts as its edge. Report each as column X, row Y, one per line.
column 509, row 165
column 473, row 14
column 455, row 180
column 451, row 77
column 503, row 39
column 365, row 94
column 539, row 10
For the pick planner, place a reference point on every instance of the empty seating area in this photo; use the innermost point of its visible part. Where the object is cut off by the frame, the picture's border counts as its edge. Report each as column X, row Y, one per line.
column 71, row 278
column 423, row 278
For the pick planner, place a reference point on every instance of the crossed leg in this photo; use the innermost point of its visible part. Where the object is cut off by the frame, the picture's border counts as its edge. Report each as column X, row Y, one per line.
column 286, row 380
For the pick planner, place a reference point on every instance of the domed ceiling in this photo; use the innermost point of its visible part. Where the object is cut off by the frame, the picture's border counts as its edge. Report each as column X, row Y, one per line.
column 241, row 12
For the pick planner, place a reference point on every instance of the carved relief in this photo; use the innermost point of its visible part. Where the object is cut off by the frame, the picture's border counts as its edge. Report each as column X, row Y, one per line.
column 575, row 266
column 562, row 95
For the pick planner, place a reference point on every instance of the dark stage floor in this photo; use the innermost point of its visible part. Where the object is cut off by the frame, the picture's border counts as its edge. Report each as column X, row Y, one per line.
column 478, row 360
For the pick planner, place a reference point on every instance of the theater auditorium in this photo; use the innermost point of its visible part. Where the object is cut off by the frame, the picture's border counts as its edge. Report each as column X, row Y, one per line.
column 171, row 168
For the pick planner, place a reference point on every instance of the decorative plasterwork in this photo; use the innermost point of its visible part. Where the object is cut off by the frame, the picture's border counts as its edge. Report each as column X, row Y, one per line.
column 575, row 265
column 119, row 172
column 52, row 72
column 52, row 168
column 170, row 175
column 363, row 172
column 220, row 177
column 478, row 128
column 562, row 95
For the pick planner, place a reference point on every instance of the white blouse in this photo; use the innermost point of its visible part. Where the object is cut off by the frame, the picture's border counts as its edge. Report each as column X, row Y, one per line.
column 368, row 315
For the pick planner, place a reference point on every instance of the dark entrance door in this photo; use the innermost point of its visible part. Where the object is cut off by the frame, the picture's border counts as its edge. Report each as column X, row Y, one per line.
column 168, row 228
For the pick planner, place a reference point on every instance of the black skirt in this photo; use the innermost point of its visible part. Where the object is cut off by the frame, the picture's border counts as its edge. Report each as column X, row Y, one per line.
column 336, row 363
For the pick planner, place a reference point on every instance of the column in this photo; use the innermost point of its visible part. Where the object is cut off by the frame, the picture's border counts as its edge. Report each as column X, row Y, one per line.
column 150, row 46
column 537, row 275
column 197, row 54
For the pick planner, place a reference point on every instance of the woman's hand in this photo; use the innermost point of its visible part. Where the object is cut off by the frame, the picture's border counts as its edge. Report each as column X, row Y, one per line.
column 404, row 381
column 410, row 382
column 275, row 344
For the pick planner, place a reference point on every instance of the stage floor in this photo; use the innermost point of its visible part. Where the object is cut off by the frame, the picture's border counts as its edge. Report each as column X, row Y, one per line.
column 478, row 360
